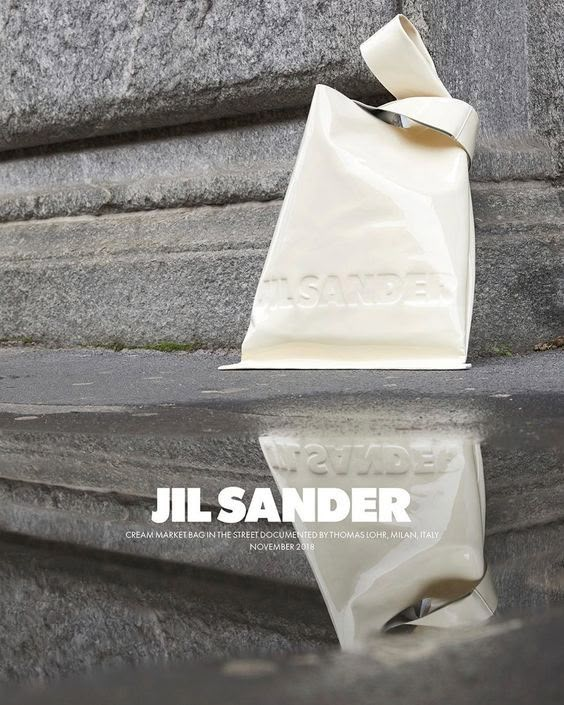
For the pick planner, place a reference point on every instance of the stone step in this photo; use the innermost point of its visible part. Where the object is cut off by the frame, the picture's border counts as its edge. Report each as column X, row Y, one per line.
column 513, row 660
column 70, row 610
column 106, row 519
column 189, row 275
column 209, row 163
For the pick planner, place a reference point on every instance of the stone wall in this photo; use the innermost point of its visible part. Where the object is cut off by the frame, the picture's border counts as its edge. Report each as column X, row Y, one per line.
column 138, row 141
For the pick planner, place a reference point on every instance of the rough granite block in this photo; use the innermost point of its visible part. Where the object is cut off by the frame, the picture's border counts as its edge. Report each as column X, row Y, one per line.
column 70, row 70
column 213, row 163
column 189, row 275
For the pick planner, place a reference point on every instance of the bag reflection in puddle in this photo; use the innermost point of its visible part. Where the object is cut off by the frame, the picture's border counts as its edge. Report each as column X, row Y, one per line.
column 429, row 572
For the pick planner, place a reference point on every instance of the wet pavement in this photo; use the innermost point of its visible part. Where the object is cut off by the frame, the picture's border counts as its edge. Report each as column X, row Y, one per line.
column 86, row 437
column 99, row 377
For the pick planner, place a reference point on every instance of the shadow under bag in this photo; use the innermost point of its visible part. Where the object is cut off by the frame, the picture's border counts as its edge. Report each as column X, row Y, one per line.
column 372, row 261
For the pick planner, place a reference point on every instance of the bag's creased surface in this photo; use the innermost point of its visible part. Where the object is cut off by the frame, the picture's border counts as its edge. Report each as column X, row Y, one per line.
column 372, row 260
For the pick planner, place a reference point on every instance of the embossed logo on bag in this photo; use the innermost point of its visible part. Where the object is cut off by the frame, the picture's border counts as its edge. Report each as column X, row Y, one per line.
column 355, row 289
column 362, row 457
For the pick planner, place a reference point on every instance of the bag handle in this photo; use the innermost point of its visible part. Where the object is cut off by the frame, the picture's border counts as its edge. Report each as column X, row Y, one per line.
column 399, row 59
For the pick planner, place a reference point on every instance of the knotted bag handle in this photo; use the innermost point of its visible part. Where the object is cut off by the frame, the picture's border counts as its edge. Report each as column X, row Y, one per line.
column 398, row 58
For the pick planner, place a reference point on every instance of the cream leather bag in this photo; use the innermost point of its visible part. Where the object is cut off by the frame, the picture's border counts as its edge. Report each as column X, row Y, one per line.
column 372, row 260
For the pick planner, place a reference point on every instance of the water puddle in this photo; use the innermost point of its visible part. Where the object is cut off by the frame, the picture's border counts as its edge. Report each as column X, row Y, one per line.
column 412, row 517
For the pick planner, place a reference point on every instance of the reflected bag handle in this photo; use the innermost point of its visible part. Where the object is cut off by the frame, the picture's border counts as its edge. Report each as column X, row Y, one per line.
column 477, row 606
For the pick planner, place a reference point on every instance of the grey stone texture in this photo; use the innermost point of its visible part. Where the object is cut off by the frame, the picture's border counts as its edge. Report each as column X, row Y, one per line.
column 546, row 73
column 504, row 58
column 511, row 662
column 71, row 611
column 110, row 67
column 214, row 164
column 217, row 163
column 127, row 462
column 459, row 37
column 189, row 275
column 90, row 68
column 101, row 521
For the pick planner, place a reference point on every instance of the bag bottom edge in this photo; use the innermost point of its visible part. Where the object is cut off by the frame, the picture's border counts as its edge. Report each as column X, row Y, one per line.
column 344, row 365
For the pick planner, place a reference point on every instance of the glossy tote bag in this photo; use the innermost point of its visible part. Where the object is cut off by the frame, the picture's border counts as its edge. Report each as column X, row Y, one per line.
column 372, row 260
